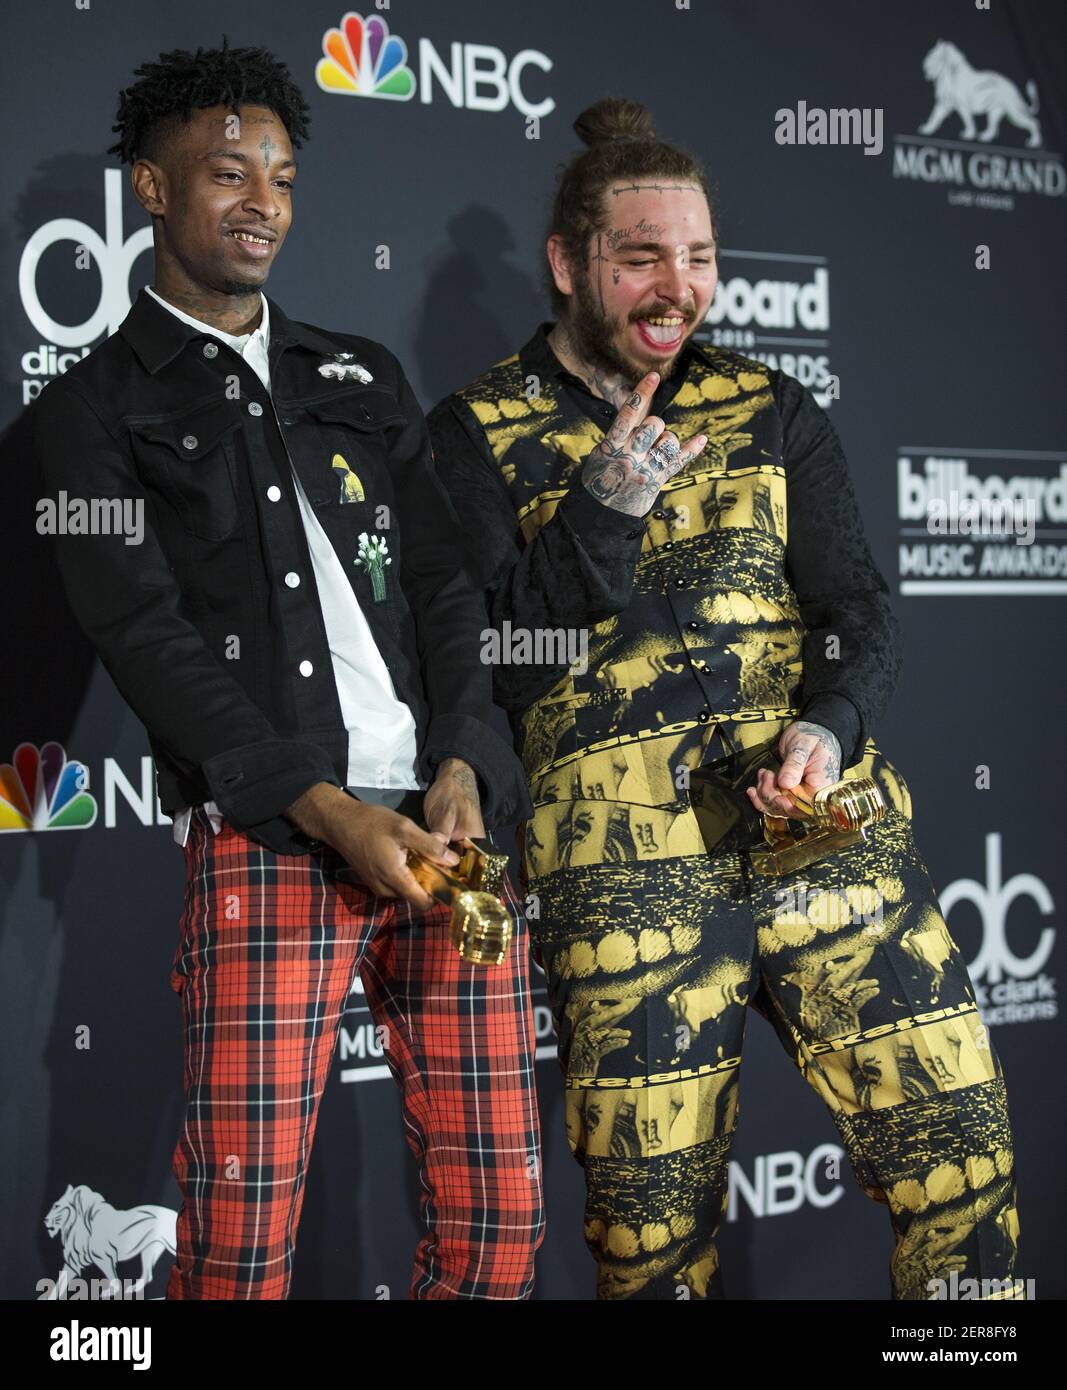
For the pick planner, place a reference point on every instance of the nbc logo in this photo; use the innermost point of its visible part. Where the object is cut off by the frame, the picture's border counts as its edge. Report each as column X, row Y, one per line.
column 364, row 60
column 40, row 790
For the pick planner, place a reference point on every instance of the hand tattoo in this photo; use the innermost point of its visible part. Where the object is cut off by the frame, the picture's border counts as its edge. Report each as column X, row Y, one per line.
column 828, row 743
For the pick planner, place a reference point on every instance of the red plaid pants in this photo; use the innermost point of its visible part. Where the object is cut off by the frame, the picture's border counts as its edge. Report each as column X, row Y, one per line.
column 270, row 945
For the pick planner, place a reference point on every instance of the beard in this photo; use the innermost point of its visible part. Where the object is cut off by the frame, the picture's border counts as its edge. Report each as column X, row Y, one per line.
column 594, row 334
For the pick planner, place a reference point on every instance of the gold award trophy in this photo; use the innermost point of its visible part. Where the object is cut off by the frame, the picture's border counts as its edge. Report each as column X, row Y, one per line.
column 824, row 822
column 481, row 924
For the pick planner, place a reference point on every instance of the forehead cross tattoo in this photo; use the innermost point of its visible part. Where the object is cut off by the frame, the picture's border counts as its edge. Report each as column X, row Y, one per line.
column 267, row 146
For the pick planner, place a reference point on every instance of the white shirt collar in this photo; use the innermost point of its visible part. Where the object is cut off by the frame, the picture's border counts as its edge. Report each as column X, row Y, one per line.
column 232, row 340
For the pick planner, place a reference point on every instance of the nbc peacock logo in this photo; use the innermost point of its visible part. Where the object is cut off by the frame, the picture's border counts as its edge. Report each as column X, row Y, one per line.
column 41, row 790
column 364, row 60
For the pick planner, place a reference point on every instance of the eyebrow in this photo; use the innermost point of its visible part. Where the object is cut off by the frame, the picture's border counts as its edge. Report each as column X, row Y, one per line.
column 660, row 246
column 243, row 158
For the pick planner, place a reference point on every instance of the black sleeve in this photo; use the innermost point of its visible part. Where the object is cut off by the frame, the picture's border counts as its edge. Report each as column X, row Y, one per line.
column 449, row 620
column 577, row 571
column 841, row 591
column 127, row 601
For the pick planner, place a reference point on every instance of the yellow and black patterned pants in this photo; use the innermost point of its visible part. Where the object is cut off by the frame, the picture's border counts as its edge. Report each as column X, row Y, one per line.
column 651, row 967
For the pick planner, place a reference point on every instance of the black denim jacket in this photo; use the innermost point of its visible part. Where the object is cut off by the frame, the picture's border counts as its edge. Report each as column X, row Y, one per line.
column 200, row 631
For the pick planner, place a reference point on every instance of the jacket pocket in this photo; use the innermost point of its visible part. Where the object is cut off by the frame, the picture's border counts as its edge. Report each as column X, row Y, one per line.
column 354, row 431
column 355, row 447
column 190, row 460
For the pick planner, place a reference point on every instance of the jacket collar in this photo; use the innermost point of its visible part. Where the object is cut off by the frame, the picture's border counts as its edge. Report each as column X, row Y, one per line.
column 158, row 336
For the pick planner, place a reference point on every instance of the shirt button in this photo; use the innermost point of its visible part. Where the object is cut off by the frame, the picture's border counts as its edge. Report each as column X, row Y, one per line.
column 306, row 668
column 274, row 493
column 211, row 349
column 254, row 408
column 190, row 441
column 293, row 579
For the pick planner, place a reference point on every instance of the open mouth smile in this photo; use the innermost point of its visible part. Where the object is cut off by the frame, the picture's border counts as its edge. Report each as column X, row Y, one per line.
column 253, row 243
column 663, row 332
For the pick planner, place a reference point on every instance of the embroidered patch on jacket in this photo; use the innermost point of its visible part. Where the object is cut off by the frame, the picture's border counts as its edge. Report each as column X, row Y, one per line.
column 351, row 487
column 342, row 366
column 373, row 555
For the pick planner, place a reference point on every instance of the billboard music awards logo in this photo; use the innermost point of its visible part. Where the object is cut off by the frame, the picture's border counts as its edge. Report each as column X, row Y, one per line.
column 775, row 307
column 362, row 59
column 981, row 521
column 1009, row 988
column 953, row 149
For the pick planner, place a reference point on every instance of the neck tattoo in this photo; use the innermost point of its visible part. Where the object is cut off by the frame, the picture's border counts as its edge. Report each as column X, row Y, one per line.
column 608, row 385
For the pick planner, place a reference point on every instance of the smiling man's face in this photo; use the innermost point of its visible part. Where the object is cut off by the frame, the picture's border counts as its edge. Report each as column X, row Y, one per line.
column 650, row 279
column 223, row 191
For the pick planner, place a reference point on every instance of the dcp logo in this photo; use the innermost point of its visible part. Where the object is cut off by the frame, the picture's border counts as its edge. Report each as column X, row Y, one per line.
column 112, row 256
column 992, row 899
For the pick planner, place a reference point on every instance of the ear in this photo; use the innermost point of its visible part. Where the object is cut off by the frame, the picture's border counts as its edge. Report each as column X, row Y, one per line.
column 559, row 263
column 149, row 186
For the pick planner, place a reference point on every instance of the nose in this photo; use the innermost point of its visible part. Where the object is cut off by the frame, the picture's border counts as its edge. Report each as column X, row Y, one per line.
column 673, row 282
column 260, row 197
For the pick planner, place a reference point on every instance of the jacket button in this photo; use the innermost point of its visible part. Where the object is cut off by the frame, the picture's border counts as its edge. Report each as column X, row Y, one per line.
column 254, row 408
column 693, row 627
column 190, row 441
column 659, row 514
column 211, row 349
column 274, row 493
column 306, row 668
column 292, row 579
column 681, row 582
column 667, row 545
column 703, row 717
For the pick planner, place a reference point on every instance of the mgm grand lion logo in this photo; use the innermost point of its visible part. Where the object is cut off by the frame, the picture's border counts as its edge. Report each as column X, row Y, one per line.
column 969, row 93
column 93, row 1232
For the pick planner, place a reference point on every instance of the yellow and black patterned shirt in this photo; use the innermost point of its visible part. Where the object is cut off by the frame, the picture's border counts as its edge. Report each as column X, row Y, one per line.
column 747, row 597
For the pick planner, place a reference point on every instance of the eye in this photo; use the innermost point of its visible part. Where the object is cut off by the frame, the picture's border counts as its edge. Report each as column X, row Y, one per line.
column 640, row 264
column 285, row 183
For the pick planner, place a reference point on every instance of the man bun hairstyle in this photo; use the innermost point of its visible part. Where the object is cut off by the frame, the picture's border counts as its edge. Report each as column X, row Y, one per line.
column 622, row 147
column 170, row 90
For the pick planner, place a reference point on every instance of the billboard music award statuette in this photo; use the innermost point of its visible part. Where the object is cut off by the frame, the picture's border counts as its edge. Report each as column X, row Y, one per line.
column 481, row 925
column 824, row 822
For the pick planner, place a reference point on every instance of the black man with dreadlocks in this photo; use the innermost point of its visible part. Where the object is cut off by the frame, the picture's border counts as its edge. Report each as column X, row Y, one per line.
column 730, row 601
column 311, row 687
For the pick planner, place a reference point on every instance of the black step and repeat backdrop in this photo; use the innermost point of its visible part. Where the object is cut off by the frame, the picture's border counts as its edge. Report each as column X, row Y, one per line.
column 907, row 262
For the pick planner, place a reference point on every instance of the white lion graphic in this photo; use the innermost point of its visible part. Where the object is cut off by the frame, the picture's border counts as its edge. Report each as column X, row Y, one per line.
column 959, row 87
column 93, row 1232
